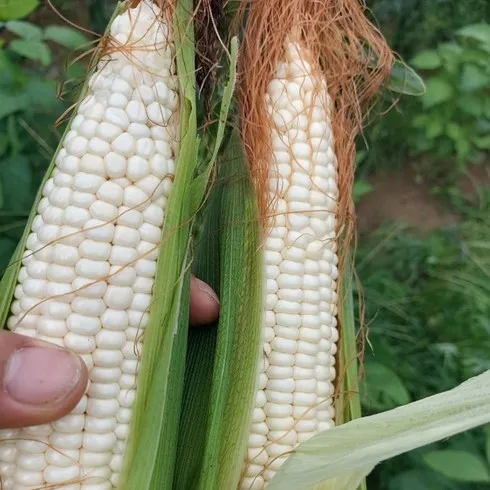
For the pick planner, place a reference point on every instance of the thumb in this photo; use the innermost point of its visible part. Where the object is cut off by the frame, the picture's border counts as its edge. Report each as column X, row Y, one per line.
column 39, row 382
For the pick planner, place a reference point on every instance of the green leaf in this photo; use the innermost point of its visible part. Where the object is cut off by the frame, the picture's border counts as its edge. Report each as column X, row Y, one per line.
column 16, row 9
column 478, row 32
column 482, row 142
column 33, row 50
column 455, row 131
column 16, row 179
column 421, row 121
column 405, row 80
column 450, row 50
column 471, row 104
column 40, row 93
column 439, row 90
column 385, row 385
column 26, row 30
column 341, row 457
column 434, row 128
column 11, row 103
column 458, row 465
column 477, row 56
column 65, row 36
column 361, row 189
column 7, row 248
column 474, row 78
column 426, row 60
column 487, row 442
column 4, row 142
column 409, row 480
column 452, row 55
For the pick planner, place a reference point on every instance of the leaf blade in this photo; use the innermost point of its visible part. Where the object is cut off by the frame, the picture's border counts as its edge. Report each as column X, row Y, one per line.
column 65, row 36
column 240, row 325
column 356, row 447
column 404, row 80
column 17, row 9
column 458, row 465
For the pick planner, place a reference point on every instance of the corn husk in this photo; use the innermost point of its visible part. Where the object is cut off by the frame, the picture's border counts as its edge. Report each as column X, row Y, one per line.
column 339, row 459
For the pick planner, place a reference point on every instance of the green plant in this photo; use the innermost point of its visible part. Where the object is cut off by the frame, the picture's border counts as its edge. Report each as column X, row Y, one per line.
column 411, row 26
column 454, row 118
column 12, row 9
column 427, row 299
column 31, row 40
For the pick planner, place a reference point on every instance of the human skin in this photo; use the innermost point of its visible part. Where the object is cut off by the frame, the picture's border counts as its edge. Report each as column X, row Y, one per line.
column 41, row 382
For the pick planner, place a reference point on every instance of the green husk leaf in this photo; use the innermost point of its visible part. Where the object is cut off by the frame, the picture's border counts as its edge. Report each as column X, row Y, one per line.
column 240, row 325
column 152, row 444
column 223, row 361
column 201, row 181
column 340, row 458
column 200, row 353
column 348, row 402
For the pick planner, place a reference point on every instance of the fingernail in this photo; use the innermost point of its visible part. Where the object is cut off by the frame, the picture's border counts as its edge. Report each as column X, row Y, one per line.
column 205, row 289
column 39, row 375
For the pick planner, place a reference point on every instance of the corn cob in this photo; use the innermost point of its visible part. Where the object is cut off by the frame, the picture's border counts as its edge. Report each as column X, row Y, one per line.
column 295, row 395
column 90, row 262
column 294, row 400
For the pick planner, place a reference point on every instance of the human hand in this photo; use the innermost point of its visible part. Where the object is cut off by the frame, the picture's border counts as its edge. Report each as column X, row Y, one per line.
column 41, row 382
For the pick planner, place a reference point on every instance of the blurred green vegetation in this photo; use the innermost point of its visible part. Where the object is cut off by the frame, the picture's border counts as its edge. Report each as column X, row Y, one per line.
column 427, row 296
column 34, row 61
column 412, row 27
column 427, row 301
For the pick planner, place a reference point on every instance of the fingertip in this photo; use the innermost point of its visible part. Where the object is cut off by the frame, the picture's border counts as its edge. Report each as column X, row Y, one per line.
column 39, row 383
column 204, row 303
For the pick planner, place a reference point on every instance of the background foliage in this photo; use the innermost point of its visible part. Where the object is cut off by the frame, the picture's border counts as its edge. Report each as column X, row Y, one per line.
column 33, row 61
column 426, row 293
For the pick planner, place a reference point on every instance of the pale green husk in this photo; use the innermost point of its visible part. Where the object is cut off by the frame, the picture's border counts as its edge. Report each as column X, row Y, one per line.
column 339, row 459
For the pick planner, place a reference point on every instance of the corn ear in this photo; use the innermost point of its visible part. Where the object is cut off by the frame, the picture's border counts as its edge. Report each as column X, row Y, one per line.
column 150, row 455
column 149, row 458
